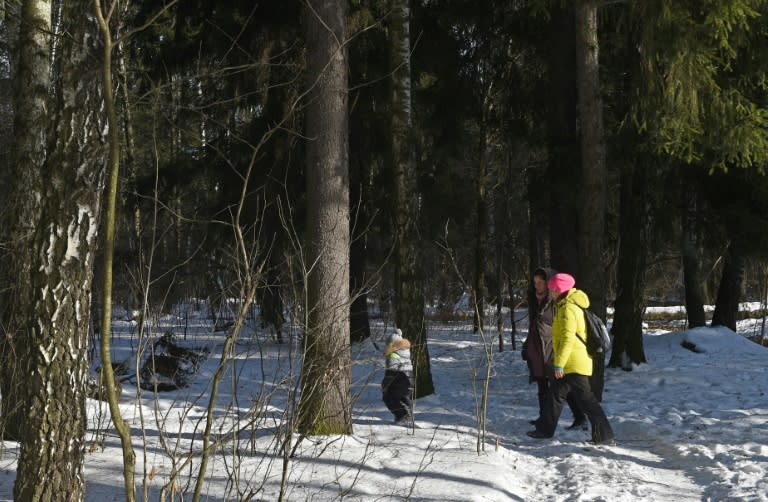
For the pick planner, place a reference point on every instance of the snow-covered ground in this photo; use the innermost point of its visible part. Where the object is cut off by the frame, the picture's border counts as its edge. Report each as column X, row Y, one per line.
column 690, row 426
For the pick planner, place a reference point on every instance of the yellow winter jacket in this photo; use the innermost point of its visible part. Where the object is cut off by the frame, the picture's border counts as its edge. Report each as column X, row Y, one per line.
column 570, row 353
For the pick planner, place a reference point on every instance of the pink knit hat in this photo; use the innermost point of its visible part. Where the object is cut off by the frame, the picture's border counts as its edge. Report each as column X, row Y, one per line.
column 560, row 283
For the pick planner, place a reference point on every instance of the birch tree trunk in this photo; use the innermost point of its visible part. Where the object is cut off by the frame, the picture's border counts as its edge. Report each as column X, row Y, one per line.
column 409, row 289
column 326, row 401
column 62, row 255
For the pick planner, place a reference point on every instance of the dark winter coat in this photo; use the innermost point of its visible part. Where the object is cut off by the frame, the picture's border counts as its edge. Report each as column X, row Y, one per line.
column 538, row 345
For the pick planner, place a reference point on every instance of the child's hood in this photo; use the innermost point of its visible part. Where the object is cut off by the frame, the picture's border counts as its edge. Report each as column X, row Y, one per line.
column 397, row 345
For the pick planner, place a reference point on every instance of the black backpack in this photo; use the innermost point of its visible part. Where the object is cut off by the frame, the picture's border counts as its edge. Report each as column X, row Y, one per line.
column 598, row 339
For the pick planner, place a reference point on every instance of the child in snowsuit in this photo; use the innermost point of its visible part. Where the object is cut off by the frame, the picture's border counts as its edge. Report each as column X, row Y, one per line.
column 397, row 385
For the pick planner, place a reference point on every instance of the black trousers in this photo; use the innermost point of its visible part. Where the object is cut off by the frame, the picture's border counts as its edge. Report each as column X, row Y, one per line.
column 396, row 389
column 597, row 380
column 577, row 387
column 543, row 391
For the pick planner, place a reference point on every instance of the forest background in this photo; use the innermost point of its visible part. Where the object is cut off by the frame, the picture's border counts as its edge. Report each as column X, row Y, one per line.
column 318, row 157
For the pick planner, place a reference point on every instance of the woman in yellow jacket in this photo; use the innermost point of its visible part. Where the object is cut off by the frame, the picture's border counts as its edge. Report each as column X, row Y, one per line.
column 572, row 362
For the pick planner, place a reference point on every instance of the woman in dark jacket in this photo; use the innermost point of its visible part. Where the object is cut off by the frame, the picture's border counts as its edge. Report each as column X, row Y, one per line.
column 537, row 348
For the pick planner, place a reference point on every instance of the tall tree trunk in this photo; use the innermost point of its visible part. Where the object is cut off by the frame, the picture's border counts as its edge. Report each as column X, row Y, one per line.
column 130, row 208
column 538, row 224
column 22, row 198
column 326, row 399
column 591, row 270
column 634, row 223
column 63, row 249
column 563, row 167
column 627, row 326
column 731, row 284
column 409, row 289
column 501, row 231
column 481, row 228
column 275, row 165
column 366, row 145
column 692, row 250
column 592, row 274
column 358, row 282
column 270, row 292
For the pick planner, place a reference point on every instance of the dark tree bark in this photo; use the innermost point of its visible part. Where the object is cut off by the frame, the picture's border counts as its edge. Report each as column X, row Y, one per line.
column 358, row 281
column 501, row 232
column 591, row 273
column 564, row 158
column 270, row 295
column 369, row 144
column 538, row 229
column 325, row 406
column 634, row 223
column 62, row 255
column 731, row 284
column 22, row 189
column 276, row 169
column 538, row 222
column 409, row 284
column 627, row 326
column 692, row 250
column 481, row 227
